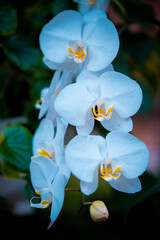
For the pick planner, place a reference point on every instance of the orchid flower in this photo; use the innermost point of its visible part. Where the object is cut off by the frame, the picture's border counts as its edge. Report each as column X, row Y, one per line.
column 85, row 6
column 111, row 98
column 121, row 158
column 49, row 183
column 49, row 171
column 47, row 145
column 70, row 39
column 59, row 81
column 39, row 102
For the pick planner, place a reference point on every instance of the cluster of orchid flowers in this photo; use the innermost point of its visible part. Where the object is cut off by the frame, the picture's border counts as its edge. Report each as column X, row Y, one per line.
column 84, row 89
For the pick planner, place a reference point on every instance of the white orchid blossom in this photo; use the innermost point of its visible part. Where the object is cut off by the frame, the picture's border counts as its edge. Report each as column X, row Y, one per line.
column 70, row 39
column 121, row 158
column 58, row 82
column 49, row 171
column 49, row 183
column 111, row 98
column 48, row 144
column 39, row 102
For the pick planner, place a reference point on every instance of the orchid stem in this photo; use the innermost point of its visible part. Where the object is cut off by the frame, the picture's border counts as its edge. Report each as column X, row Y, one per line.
column 73, row 189
column 87, row 203
column 83, row 198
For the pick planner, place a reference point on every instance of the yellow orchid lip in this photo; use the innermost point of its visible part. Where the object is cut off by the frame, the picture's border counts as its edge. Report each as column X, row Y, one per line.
column 76, row 51
column 107, row 172
column 42, row 203
column 100, row 112
column 45, row 203
column 92, row 1
column 45, row 153
column 38, row 103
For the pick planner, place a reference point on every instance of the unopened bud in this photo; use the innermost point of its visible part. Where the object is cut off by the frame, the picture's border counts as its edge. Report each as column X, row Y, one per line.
column 99, row 211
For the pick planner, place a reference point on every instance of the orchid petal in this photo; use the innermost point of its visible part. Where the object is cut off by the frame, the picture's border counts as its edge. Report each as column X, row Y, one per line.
column 83, row 155
column 88, row 126
column 91, row 81
column 65, row 79
column 124, row 92
column 43, row 171
column 45, row 132
column 117, row 123
column 93, row 16
column 129, row 152
column 64, row 27
column 73, row 103
column 103, row 43
column 57, row 191
column 50, row 64
column 47, row 99
column 123, row 184
column 90, row 187
column 58, row 141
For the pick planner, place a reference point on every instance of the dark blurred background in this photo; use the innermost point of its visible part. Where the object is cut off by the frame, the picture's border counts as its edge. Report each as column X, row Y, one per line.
column 23, row 75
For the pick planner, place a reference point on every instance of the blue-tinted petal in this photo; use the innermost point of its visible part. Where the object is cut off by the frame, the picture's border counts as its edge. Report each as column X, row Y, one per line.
column 58, row 32
column 102, row 40
column 44, row 133
column 129, row 152
column 123, row 184
column 43, row 171
column 83, row 155
column 57, row 191
column 73, row 103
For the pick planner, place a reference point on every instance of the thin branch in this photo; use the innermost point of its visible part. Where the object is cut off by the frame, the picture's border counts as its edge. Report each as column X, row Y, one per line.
column 73, row 189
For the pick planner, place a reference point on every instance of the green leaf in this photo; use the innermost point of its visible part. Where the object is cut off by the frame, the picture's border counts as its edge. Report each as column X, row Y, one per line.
column 16, row 149
column 8, row 18
column 21, row 53
column 8, row 172
column 120, row 6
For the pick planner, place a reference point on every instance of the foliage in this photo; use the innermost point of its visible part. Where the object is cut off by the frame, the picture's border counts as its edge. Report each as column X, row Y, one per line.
column 15, row 148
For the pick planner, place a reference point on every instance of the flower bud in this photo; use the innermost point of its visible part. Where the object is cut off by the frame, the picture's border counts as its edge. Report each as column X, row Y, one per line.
column 99, row 211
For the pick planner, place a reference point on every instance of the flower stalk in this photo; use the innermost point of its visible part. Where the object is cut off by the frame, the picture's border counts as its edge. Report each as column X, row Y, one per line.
column 73, row 189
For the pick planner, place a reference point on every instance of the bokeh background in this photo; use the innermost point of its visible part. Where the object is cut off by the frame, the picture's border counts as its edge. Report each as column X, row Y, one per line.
column 23, row 75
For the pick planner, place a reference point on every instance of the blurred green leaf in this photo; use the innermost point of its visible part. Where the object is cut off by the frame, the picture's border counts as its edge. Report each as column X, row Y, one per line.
column 16, row 148
column 21, row 53
column 119, row 5
column 8, row 18
column 8, row 171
